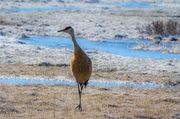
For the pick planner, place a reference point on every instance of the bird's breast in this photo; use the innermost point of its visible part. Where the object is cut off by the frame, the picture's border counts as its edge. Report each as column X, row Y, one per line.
column 81, row 68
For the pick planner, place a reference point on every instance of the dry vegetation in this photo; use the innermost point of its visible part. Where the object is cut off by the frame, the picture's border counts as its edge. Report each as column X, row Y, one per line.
column 53, row 71
column 161, row 28
column 56, row 102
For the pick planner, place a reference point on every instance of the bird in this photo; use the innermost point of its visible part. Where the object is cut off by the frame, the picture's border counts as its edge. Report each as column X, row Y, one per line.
column 81, row 64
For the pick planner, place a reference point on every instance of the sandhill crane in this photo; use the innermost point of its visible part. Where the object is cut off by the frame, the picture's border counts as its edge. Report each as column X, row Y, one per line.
column 81, row 65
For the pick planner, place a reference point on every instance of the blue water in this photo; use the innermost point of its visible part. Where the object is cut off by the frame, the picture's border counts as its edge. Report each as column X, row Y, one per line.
column 51, row 8
column 130, row 4
column 118, row 47
column 92, row 83
column 133, row 4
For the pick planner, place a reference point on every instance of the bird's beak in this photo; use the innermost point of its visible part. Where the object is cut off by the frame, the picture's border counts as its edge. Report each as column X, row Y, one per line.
column 61, row 30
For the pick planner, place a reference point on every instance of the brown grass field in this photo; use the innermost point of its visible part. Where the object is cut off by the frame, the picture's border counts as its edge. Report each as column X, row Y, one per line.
column 58, row 102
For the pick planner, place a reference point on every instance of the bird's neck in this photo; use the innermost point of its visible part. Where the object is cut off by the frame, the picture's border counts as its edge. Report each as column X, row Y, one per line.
column 75, row 44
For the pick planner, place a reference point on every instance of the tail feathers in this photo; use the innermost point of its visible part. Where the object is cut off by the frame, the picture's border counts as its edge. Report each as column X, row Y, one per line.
column 85, row 83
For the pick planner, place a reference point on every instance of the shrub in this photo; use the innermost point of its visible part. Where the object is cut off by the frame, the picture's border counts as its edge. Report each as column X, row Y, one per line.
column 171, row 27
column 161, row 28
column 158, row 27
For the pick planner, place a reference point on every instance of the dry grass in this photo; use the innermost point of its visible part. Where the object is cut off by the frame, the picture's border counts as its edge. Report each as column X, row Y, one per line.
column 6, row 22
column 52, row 71
column 56, row 102
column 34, row 70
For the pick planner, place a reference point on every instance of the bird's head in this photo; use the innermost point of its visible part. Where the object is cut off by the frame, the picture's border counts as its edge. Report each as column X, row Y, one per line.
column 68, row 29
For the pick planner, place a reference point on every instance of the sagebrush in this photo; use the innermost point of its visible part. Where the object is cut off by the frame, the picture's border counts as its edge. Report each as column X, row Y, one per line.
column 161, row 28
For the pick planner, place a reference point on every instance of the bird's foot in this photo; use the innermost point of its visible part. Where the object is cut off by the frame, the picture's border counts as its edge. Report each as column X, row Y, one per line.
column 79, row 108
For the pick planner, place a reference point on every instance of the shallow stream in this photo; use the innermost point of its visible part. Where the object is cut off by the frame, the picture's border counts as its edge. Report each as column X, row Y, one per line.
column 139, row 4
column 50, row 8
column 128, row 4
column 118, row 47
column 67, row 82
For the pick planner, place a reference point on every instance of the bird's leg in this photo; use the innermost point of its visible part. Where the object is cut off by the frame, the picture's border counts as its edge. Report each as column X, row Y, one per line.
column 81, row 88
column 80, row 92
